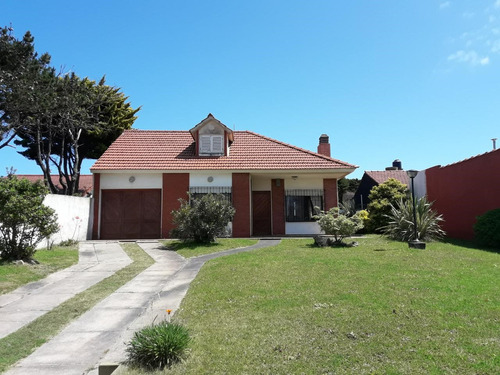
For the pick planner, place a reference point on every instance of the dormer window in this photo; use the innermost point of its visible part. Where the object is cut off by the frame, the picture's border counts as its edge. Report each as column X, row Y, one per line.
column 212, row 137
column 211, row 144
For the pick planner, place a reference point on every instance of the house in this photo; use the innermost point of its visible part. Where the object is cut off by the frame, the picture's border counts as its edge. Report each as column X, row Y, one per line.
column 85, row 186
column 371, row 179
column 464, row 190
column 273, row 186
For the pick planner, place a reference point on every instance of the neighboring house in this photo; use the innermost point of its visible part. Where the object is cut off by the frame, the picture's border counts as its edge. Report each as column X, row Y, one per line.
column 85, row 186
column 371, row 179
column 463, row 191
column 273, row 186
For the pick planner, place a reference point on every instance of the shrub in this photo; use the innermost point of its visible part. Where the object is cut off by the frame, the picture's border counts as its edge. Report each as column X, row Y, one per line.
column 487, row 229
column 158, row 346
column 339, row 226
column 203, row 220
column 68, row 242
column 401, row 226
column 382, row 197
column 24, row 220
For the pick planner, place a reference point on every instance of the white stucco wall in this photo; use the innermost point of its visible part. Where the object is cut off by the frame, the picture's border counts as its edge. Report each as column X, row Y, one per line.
column 122, row 181
column 302, row 228
column 261, row 183
column 304, row 182
column 73, row 214
column 420, row 183
column 197, row 179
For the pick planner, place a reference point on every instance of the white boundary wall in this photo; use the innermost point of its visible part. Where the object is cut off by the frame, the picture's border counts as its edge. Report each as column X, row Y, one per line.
column 420, row 183
column 73, row 217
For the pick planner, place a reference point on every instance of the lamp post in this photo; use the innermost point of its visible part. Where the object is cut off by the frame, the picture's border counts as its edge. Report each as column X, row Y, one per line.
column 415, row 244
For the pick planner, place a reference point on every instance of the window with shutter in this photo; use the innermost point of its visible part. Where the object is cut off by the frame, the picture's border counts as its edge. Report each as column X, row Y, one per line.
column 211, row 144
column 217, row 144
column 205, row 144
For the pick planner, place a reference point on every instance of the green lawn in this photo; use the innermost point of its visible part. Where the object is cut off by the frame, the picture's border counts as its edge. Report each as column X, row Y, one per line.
column 193, row 249
column 13, row 276
column 379, row 308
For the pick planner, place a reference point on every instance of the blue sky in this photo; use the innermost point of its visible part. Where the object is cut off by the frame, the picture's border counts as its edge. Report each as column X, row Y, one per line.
column 411, row 80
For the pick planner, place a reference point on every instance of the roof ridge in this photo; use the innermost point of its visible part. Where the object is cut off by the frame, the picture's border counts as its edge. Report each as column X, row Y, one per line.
column 152, row 130
column 302, row 149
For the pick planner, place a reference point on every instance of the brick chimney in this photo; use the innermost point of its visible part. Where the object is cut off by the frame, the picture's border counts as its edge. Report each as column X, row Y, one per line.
column 324, row 145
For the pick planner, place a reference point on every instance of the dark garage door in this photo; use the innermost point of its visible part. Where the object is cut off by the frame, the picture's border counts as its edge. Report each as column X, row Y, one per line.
column 130, row 214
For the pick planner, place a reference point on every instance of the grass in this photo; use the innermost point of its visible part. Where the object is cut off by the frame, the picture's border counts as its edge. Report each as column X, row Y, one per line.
column 24, row 341
column 193, row 249
column 13, row 276
column 380, row 308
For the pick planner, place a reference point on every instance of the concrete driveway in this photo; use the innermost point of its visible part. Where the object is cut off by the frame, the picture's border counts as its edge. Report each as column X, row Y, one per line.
column 100, row 334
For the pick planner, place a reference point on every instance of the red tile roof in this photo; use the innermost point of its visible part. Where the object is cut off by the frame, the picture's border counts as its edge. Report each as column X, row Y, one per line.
column 175, row 150
column 86, row 180
column 381, row 176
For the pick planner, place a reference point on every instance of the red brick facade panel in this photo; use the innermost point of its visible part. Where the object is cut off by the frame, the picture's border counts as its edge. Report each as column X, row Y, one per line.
column 331, row 195
column 278, row 206
column 175, row 186
column 241, row 203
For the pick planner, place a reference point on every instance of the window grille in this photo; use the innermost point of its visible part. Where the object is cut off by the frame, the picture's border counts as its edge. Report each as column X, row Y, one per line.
column 197, row 192
column 303, row 204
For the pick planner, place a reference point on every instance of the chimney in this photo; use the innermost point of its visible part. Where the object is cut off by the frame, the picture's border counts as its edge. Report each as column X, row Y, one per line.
column 324, row 145
column 494, row 143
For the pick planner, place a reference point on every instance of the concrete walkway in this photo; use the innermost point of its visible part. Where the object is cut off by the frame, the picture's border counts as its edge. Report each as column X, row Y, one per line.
column 100, row 334
column 97, row 260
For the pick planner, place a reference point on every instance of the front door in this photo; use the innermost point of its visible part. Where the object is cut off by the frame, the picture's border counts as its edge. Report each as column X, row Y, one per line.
column 261, row 213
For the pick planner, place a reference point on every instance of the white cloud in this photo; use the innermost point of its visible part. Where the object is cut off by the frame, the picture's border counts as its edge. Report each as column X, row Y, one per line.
column 447, row 4
column 469, row 57
column 497, row 4
column 495, row 46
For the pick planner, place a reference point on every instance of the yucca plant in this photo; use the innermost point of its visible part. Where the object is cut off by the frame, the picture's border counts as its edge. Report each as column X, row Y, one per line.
column 158, row 346
column 401, row 227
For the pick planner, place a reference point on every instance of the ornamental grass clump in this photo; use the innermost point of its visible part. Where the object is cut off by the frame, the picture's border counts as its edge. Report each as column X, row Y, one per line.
column 158, row 346
column 401, row 226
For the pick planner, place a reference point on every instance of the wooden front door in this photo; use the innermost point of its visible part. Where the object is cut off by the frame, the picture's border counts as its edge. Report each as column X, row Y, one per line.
column 130, row 214
column 261, row 213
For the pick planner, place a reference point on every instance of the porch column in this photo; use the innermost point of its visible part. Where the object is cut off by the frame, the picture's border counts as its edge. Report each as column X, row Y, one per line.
column 278, row 206
column 331, row 194
column 175, row 186
column 241, row 203
column 96, row 194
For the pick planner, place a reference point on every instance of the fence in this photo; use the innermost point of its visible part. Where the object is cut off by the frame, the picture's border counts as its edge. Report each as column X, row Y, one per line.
column 74, row 217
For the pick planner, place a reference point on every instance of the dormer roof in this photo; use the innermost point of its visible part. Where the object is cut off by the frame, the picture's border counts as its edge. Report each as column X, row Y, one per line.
column 211, row 119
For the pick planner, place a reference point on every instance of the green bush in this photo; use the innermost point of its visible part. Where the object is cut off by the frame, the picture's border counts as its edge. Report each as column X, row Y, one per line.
column 68, row 242
column 24, row 219
column 203, row 220
column 487, row 229
column 401, row 225
column 382, row 197
column 158, row 346
column 339, row 226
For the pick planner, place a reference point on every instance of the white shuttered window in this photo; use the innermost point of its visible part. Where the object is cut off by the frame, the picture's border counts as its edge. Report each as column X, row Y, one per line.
column 211, row 144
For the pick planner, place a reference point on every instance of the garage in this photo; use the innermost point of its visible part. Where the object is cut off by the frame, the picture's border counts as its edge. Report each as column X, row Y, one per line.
column 130, row 214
